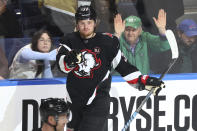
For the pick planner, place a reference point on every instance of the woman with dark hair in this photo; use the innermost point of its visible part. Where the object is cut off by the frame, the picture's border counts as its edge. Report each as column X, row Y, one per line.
column 33, row 60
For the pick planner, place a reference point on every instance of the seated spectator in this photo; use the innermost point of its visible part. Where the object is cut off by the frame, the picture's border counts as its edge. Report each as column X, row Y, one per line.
column 33, row 60
column 54, row 114
column 187, row 44
column 137, row 44
column 9, row 26
column 3, row 65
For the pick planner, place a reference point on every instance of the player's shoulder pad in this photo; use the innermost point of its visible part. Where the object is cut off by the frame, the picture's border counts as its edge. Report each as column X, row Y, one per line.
column 113, row 41
column 108, row 34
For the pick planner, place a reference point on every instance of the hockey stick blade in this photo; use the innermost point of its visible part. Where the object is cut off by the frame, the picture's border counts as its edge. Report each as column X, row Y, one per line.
column 173, row 44
column 174, row 49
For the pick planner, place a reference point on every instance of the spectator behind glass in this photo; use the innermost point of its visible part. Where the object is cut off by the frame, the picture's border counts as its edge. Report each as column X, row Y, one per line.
column 54, row 114
column 136, row 44
column 106, row 10
column 9, row 26
column 187, row 44
column 147, row 9
column 3, row 65
column 33, row 60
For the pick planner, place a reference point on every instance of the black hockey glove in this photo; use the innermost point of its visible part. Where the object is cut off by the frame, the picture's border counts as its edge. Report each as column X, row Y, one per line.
column 149, row 83
column 72, row 58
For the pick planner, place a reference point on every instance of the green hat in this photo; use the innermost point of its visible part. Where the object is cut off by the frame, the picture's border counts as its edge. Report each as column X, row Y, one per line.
column 133, row 21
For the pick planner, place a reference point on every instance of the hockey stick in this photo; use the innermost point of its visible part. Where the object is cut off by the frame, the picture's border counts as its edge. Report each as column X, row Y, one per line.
column 174, row 49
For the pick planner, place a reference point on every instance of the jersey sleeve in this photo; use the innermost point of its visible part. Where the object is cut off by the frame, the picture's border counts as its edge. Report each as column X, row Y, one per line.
column 63, row 50
column 129, row 72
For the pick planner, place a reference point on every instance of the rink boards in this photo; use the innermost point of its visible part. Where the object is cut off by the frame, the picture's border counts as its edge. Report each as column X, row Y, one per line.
column 174, row 109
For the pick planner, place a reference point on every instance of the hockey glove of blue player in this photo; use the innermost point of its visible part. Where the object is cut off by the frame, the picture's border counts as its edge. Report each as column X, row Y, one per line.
column 147, row 82
column 72, row 58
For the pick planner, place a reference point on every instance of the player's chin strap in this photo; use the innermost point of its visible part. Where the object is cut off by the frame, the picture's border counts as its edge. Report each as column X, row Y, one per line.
column 174, row 49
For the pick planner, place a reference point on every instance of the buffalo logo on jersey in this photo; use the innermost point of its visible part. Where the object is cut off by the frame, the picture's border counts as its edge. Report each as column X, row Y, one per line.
column 88, row 65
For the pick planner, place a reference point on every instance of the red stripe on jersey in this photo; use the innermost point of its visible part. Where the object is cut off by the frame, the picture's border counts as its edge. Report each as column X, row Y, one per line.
column 134, row 81
column 108, row 34
column 96, row 90
column 65, row 67
column 144, row 79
